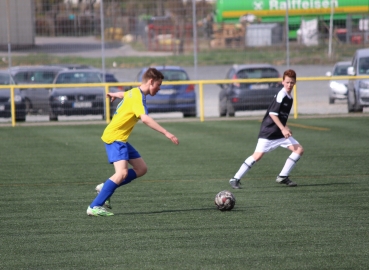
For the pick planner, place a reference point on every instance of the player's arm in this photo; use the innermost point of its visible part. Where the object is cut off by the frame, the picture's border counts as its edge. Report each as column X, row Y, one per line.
column 115, row 95
column 284, row 129
column 147, row 120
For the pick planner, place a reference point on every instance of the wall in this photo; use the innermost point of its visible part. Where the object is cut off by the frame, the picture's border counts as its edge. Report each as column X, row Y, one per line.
column 21, row 14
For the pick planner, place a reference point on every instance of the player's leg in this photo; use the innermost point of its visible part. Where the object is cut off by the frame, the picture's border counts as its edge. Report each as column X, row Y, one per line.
column 108, row 188
column 121, row 172
column 123, row 175
column 117, row 153
column 297, row 152
column 262, row 147
column 139, row 168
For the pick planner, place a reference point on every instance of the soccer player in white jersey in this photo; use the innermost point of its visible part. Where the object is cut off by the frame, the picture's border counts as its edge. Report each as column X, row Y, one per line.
column 274, row 132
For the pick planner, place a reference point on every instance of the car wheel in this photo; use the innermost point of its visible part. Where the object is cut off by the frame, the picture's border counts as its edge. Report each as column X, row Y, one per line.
column 52, row 116
column 22, row 119
column 331, row 100
column 230, row 109
column 223, row 107
column 28, row 106
column 189, row 114
column 352, row 105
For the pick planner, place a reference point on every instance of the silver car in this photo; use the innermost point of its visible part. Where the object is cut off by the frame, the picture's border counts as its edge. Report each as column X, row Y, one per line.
column 36, row 99
column 358, row 90
column 338, row 88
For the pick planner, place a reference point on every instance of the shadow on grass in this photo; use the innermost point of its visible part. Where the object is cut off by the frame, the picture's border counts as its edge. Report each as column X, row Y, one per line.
column 306, row 185
column 236, row 209
column 327, row 184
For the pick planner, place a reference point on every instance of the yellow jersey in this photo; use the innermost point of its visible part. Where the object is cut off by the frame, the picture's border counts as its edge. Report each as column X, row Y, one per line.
column 127, row 114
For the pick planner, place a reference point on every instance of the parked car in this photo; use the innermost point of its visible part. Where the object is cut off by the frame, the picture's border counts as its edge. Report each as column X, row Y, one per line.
column 79, row 100
column 172, row 98
column 109, row 77
column 5, row 99
column 248, row 96
column 358, row 90
column 338, row 88
column 36, row 98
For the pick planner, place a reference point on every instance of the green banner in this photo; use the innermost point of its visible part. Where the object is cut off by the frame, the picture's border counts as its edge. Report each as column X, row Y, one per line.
column 231, row 10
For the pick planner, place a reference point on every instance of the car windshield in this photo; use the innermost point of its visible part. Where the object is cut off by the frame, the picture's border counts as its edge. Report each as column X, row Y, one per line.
column 364, row 65
column 43, row 77
column 257, row 73
column 174, row 75
column 4, row 79
column 79, row 77
column 340, row 70
column 110, row 78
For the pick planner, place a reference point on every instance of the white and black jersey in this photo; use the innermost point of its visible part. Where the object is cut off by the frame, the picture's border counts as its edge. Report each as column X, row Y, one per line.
column 280, row 106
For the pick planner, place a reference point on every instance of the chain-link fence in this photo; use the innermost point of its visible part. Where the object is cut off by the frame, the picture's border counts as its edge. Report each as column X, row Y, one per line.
column 113, row 36
column 180, row 26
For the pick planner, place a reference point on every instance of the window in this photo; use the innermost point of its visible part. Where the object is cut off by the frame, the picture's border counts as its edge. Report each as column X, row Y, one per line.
column 257, row 73
column 79, row 77
column 174, row 75
column 42, row 77
column 21, row 77
column 4, row 79
column 340, row 70
column 363, row 65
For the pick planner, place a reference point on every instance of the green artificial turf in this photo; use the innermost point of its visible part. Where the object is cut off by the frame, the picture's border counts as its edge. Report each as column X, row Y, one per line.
column 167, row 219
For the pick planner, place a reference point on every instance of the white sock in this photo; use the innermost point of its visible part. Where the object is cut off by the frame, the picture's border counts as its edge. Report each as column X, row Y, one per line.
column 290, row 164
column 249, row 162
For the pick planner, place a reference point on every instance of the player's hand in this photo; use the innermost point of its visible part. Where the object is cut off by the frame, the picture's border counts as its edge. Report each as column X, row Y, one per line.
column 115, row 95
column 286, row 132
column 171, row 137
column 112, row 98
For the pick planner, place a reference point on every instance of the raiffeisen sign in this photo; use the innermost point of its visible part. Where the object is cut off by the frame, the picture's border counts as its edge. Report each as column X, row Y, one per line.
column 227, row 9
column 297, row 4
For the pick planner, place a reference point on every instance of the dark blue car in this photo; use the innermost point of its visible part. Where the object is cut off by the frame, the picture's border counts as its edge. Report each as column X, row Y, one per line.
column 5, row 102
column 172, row 98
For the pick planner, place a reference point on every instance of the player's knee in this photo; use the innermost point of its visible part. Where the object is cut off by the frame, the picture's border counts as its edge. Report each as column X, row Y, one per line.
column 300, row 150
column 141, row 170
column 257, row 156
column 122, row 175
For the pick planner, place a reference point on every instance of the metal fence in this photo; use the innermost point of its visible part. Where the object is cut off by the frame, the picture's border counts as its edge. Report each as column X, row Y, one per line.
column 185, row 26
column 305, row 103
column 284, row 33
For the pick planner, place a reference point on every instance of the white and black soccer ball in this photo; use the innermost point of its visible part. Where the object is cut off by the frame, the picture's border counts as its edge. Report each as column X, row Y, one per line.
column 225, row 200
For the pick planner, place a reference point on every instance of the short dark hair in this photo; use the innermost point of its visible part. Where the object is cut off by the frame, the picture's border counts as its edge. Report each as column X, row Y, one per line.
column 152, row 73
column 289, row 73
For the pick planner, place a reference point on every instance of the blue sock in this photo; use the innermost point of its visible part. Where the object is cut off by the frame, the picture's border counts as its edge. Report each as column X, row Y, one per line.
column 131, row 176
column 107, row 190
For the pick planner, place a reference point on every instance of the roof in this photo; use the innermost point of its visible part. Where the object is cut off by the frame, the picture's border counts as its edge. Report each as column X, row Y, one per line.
column 165, row 67
column 80, row 70
column 238, row 67
column 362, row 52
column 74, row 66
column 35, row 68
column 343, row 63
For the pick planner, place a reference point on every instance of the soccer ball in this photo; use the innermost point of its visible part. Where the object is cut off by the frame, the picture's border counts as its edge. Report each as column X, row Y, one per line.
column 225, row 200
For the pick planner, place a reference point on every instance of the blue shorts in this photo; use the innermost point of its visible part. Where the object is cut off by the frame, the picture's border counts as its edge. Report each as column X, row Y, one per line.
column 120, row 151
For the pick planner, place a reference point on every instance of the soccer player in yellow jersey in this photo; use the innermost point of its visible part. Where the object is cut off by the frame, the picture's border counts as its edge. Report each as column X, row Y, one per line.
column 116, row 134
